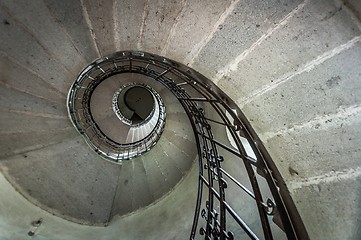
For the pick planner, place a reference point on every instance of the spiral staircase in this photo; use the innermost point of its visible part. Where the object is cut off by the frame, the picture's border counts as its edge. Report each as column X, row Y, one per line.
column 266, row 144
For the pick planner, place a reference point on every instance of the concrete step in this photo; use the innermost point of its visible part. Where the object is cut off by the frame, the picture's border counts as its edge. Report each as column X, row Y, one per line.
column 21, row 101
column 101, row 24
column 335, row 86
column 171, row 103
column 189, row 33
column 158, row 184
column 30, row 54
column 180, row 125
column 19, row 122
column 142, row 194
column 133, row 189
column 72, row 19
column 128, row 13
column 123, row 203
column 155, row 221
column 48, row 33
column 332, row 200
column 298, row 152
column 319, row 160
column 182, row 143
column 170, row 171
column 22, row 142
column 246, row 22
column 181, row 201
column 65, row 179
column 103, row 93
column 314, row 30
column 159, row 18
column 132, row 135
column 177, row 157
column 13, row 76
column 113, row 128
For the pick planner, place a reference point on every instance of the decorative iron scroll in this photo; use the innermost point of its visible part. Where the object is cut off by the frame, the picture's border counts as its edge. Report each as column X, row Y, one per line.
column 211, row 114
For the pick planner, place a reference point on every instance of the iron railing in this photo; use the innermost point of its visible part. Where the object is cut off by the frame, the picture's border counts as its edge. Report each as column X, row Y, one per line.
column 230, row 178
column 79, row 110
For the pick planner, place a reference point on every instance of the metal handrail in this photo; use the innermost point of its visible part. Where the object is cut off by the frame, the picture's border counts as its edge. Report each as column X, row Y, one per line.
column 200, row 97
column 78, row 103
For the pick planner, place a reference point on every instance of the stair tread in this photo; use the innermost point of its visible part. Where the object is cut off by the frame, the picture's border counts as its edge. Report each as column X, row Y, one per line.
column 141, row 194
column 113, row 128
column 21, row 142
column 67, row 15
column 11, row 99
column 75, row 182
column 13, row 76
column 22, row 122
column 158, row 184
column 48, row 33
column 26, row 47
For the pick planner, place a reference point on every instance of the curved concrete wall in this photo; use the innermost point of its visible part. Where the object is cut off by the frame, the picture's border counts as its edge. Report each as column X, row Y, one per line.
column 293, row 67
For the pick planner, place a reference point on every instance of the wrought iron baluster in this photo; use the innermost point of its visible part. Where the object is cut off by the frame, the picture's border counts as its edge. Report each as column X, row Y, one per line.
column 175, row 76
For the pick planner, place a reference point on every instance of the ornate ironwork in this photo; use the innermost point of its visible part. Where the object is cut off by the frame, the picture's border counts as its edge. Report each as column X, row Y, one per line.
column 211, row 112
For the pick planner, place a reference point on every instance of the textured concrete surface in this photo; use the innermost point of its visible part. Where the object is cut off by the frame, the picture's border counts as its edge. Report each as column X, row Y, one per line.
column 189, row 34
column 154, row 222
column 70, row 16
column 99, row 18
column 47, row 32
column 296, row 45
column 129, row 21
column 13, row 75
column 159, row 17
column 324, row 90
column 30, row 54
column 66, row 179
column 243, row 27
column 339, row 200
column 327, row 149
column 292, row 67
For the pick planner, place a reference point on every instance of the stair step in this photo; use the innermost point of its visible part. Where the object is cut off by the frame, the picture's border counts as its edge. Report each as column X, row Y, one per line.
column 122, row 203
column 255, row 18
column 141, row 194
column 170, row 170
column 48, row 33
column 20, row 101
column 18, row 122
column 179, row 124
column 22, row 142
column 13, row 76
column 329, row 93
column 113, row 128
column 74, row 182
column 69, row 16
column 322, row 149
column 95, row 12
column 26, row 47
column 177, row 157
column 183, row 37
column 157, row 182
column 314, row 33
column 187, row 146
column 103, row 93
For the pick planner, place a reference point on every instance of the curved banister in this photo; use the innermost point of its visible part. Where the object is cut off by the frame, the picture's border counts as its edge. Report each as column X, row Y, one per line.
column 202, row 100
